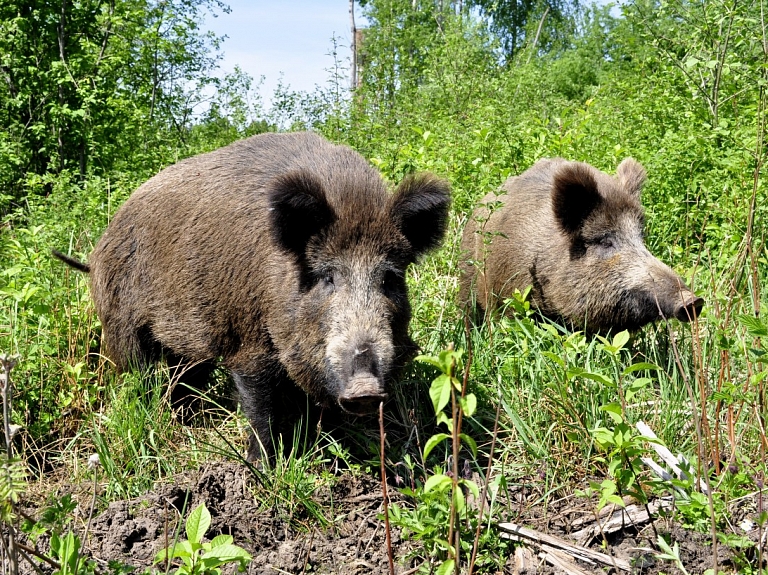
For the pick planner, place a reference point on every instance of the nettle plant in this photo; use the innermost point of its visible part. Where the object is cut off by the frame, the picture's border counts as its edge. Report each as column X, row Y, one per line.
column 442, row 510
column 622, row 445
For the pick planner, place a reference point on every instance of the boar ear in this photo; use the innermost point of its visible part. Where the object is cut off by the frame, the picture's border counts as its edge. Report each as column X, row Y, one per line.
column 298, row 210
column 631, row 176
column 574, row 197
column 419, row 209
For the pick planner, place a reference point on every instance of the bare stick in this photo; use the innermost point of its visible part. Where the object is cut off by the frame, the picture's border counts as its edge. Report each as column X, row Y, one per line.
column 699, row 440
column 485, row 488
column 520, row 533
column 384, row 496
column 39, row 555
column 353, row 70
column 7, row 364
column 455, row 430
column 536, row 38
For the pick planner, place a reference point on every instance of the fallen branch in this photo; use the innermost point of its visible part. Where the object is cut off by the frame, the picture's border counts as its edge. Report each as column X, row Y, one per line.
column 666, row 455
column 562, row 561
column 384, row 496
column 550, row 542
column 632, row 514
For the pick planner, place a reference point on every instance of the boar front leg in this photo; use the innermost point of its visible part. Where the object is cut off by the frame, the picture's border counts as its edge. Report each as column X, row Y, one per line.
column 256, row 393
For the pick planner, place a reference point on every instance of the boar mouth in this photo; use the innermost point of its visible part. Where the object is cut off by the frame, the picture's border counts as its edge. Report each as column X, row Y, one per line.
column 362, row 395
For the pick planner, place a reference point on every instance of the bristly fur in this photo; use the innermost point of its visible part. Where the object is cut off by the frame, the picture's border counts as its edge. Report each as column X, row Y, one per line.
column 575, row 234
column 631, row 175
column 282, row 255
column 298, row 210
column 422, row 200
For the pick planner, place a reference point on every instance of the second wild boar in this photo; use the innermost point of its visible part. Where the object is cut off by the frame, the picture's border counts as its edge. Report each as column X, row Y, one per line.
column 575, row 234
column 282, row 257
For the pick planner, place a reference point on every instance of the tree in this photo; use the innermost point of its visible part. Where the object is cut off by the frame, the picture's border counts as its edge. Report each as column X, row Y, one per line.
column 90, row 85
column 541, row 23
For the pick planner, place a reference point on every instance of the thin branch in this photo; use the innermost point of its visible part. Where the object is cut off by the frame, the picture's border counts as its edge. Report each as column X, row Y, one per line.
column 384, row 495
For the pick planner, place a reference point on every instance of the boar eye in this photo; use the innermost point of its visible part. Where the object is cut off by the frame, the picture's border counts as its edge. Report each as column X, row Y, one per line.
column 391, row 283
column 606, row 241
column 327, row 280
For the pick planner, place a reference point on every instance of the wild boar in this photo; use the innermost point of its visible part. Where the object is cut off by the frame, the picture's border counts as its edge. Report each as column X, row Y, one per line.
column 575, row 234
column 282, row 257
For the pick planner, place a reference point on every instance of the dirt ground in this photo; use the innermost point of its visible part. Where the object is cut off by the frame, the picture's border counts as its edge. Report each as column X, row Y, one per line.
column 354, row 542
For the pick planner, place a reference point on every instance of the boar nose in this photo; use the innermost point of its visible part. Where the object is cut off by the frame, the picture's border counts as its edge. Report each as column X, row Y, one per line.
column 364, row 389
column 689, row 308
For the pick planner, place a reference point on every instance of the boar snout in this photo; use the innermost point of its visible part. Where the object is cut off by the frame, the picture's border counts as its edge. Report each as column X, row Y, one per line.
column 689, row 306
column 362, row 395
column 364, row 389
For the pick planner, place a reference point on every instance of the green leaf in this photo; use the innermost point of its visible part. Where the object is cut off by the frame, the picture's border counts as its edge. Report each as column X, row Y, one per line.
column 620, row 339
column 198, row 523
column 438, row 481
column 639, row 366
column 446, row 568
column 553, row 357
column 459, row 501
column 470, row 443
column 221, row 540
column 433, row 442
column 599, row 378
column 636, row 386
column 180, row 550
column 227, row 553
column 433, row 361
column 468, row 404
column 450, row 359
column 442, row 417
column 615, row 499
column 614, row 411
column 440, row 392
column 603, row 436
column 754, row 325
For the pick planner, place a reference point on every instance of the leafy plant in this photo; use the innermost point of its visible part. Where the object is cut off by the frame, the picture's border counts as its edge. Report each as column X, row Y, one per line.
column 441, row 515
column 66, row 549
column 203, row 558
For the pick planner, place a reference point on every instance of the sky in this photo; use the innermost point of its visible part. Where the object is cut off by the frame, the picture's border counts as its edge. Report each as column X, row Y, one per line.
column 289, row 37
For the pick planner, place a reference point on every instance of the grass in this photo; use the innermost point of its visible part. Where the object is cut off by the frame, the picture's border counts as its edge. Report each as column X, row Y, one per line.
column 550, row 385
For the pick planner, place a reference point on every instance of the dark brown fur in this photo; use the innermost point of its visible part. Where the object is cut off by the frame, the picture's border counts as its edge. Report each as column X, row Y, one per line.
column 575, row 234
column 283, row 256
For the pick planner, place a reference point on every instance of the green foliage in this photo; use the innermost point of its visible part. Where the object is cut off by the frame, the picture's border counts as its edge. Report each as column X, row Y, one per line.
column 95, row 87
column 670, row 553
column 13, row 475
column 66, row 550
column 203, row 558
column 445, row 504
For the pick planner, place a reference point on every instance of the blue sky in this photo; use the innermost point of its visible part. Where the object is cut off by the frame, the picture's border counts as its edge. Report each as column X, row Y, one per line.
column 292, row 37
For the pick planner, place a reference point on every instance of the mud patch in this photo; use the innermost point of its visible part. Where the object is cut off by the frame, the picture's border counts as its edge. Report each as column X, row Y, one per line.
column 284, row 536
column 352, row 542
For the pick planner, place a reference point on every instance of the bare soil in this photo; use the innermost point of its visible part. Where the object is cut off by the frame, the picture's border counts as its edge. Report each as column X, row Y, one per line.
column 354, row 540
column 132, row 532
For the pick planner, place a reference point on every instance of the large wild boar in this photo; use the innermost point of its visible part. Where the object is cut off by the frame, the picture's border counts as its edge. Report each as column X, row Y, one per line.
column 575, row 234
column 283, row 257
